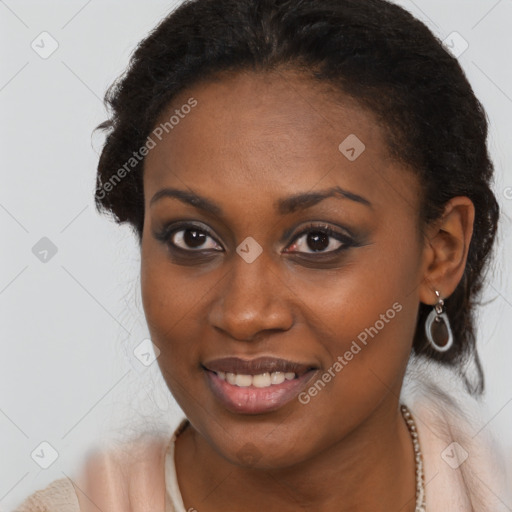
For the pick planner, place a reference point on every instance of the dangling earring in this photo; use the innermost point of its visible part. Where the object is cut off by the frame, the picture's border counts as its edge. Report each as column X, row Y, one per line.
column 437, row 327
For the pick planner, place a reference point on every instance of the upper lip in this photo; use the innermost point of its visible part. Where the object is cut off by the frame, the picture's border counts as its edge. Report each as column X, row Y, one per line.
column 256, row 366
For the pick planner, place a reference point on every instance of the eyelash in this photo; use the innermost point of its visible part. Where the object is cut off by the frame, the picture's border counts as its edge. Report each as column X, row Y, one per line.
column 346, row 240
column 167, row 233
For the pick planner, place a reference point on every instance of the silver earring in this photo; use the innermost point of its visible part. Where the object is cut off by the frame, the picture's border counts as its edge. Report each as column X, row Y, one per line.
column 437, row 327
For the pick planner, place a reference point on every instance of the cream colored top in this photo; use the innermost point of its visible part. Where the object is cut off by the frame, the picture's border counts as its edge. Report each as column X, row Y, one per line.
column 465, row 470
column 173, row 499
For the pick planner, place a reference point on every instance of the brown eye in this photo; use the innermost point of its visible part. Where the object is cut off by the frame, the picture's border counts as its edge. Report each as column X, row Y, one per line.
column 320, row 239
column 317, row 241
column 192, row 238
column 188, row 237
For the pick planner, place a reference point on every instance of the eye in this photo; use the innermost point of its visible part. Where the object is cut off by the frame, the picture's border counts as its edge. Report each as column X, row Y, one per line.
column 320, row 239
column 190, row 238
column 314, row 239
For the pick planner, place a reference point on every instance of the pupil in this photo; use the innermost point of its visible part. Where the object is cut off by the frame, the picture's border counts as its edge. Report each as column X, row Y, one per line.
column 194, row 238
column 318, row 241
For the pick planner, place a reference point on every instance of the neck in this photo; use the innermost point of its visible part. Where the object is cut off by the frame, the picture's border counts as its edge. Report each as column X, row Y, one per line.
column 370, row 469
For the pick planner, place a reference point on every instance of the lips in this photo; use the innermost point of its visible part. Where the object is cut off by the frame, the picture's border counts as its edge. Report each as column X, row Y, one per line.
column 256, row 366
column 258, row 385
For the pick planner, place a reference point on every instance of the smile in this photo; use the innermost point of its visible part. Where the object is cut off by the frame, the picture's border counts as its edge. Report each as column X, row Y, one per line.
column 256, row 386
column 263, row 380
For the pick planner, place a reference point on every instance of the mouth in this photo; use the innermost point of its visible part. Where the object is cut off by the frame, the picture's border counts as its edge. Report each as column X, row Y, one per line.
column 256, row 386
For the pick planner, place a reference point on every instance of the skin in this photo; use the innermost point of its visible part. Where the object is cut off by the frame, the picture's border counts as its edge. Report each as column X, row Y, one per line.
column 251, row 140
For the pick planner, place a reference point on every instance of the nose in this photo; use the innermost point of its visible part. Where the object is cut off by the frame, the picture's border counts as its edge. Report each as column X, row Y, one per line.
column 251, row 301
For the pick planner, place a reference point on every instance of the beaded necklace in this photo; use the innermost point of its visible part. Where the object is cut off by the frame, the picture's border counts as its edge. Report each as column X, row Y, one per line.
column 420, row 478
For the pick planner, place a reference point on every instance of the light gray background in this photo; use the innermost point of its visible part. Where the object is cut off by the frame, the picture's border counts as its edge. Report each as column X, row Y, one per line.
column 69, row 325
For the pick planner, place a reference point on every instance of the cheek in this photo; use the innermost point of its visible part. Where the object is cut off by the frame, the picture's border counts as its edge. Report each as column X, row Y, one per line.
column 365, row 318
column 375, row 293
column 166, row 298
column 366, row 347
column 168, row 304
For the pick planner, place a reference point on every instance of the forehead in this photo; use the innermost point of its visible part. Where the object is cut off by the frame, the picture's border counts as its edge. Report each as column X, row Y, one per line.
column 262, row 133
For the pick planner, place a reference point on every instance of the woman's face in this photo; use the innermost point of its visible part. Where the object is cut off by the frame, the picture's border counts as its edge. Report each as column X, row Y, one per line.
column 281, row 260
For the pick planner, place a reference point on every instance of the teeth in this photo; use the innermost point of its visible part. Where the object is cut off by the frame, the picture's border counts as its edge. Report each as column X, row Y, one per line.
column 277, row 378
column 263, row 380
column 243, row 381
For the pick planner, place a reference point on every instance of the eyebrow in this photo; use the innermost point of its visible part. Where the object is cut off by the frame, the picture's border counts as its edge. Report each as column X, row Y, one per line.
column 308, row 199
column 283, row 206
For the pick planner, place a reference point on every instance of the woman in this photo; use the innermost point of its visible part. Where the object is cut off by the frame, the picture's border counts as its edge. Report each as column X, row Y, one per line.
column 310, row 186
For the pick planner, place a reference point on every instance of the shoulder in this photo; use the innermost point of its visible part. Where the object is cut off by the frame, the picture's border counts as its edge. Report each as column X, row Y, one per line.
column 129, row 476
column 464, row 466
column 58, row 496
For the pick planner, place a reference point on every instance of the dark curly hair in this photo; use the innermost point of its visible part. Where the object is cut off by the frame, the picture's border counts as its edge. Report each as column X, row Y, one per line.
column 371, row 50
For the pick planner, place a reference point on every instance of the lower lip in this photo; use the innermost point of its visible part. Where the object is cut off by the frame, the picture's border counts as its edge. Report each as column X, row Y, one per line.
column 253, row 400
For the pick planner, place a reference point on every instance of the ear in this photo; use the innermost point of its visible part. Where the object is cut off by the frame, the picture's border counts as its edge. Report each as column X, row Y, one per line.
column 446, row 249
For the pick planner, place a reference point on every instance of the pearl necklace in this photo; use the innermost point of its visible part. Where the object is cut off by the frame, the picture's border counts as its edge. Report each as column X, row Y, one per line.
column 420, row 478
